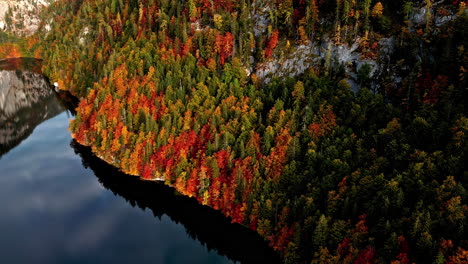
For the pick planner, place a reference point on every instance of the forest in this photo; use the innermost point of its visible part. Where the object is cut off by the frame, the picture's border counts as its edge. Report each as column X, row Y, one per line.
column 344, row 161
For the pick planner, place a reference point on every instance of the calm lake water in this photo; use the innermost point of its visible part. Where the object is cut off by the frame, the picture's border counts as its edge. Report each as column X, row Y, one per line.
column 60, row 204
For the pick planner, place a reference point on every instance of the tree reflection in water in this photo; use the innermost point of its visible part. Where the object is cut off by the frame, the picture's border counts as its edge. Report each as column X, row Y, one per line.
column 202, row 223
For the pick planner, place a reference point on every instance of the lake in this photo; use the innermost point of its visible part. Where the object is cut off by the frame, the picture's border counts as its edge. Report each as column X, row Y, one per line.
column 61, row 204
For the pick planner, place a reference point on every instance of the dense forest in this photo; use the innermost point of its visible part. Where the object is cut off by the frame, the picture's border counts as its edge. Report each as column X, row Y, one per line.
column 356, row 157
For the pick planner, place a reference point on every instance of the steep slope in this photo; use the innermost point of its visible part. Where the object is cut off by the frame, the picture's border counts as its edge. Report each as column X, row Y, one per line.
column 21, row 17
column 201, row 223
column 247, row 106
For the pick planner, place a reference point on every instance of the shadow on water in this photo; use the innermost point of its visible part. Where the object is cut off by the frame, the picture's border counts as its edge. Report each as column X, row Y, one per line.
column 26, row 100
column 202, row 223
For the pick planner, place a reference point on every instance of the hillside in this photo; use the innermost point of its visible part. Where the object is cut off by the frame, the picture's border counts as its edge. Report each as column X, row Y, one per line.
column 19, row 21
column 21, row 17
column 335, row 129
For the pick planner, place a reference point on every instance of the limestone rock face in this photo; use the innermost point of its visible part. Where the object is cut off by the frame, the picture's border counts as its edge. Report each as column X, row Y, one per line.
column 26, row 100
column 21, row 17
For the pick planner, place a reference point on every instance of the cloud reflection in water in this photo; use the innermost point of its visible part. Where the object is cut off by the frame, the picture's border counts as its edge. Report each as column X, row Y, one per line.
column 53, row 210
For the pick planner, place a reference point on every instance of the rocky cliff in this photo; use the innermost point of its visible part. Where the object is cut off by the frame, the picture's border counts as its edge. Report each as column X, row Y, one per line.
column 21, row 17
column 26, row 100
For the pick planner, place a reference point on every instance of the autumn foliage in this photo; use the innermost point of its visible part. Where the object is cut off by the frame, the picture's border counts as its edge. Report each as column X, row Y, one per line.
column 328, row 166
column 272, row 42
column 9, row 51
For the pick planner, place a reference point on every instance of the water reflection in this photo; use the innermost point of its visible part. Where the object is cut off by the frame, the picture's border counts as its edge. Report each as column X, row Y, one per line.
column 26, row 100
column 53, row 210
column 208, row 226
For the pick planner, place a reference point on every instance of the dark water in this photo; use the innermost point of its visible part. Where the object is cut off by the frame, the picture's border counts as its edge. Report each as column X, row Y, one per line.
column 60, row 204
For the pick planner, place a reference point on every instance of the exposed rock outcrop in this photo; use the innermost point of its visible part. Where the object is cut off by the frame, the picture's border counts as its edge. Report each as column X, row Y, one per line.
column 26, row 100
